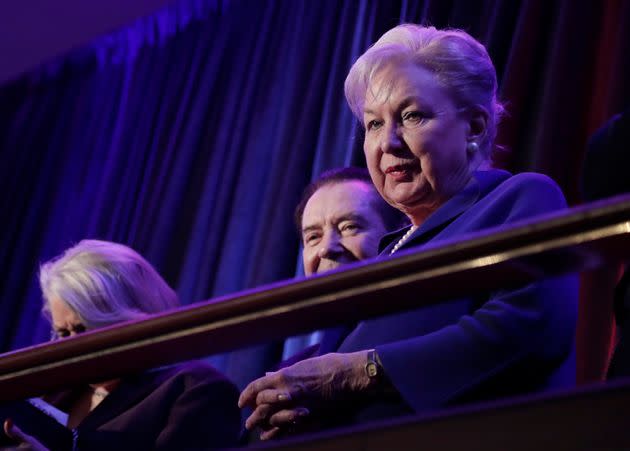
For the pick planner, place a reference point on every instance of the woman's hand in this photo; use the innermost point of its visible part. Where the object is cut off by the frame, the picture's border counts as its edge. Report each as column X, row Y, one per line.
column 25, row 441
column 284, row 398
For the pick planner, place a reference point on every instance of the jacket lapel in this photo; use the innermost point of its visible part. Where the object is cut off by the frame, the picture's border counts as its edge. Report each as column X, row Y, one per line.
column 480, row 184
column 131, row 390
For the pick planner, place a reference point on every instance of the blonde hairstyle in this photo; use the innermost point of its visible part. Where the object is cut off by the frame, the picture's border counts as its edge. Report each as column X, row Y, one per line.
column 459, row 62
column 105, row 283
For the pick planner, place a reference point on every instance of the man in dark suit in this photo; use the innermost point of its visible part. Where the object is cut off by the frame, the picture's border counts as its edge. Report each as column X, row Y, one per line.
column 340, row 219
column 605, row 174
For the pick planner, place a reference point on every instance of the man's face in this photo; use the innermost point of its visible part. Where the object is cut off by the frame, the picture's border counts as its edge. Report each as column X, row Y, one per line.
column 340, row 225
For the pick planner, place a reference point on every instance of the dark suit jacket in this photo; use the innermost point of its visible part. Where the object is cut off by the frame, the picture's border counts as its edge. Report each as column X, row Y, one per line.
column 605, row 174
column 505, row 342
column 181, row 407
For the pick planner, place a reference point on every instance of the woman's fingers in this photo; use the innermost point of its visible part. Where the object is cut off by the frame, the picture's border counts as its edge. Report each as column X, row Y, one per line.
column 267, row 403
column 248, row 395
column 284, row 421
column 267, row 414
column 26, row 441
column 270, row 433
column 13, row 431
column 289, row 417
column 8, row 425
column 273, row 396
column 272, row 381
column 259, row 416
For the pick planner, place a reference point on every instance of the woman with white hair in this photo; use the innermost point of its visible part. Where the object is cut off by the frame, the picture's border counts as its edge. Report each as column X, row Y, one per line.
column 186, row 406
column 427, row 101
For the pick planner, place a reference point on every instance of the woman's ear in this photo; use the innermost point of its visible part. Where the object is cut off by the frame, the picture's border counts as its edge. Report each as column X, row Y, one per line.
column 477, row 117
column 478, row 124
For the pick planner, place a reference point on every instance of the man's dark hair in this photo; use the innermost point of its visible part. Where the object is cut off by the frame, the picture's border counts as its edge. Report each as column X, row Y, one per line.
column 392, row 218
column 606, row 163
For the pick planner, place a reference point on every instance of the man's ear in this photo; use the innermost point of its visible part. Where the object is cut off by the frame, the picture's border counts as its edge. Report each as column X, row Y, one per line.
column 477, row 124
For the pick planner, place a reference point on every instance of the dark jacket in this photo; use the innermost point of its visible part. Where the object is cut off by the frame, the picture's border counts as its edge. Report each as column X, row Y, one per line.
column 502, row 343
column 182, row 407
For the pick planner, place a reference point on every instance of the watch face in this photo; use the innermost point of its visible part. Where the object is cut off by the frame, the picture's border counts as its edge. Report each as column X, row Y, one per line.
column 372, row 369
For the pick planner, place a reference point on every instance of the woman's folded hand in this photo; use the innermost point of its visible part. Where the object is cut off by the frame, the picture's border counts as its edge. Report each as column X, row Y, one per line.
column 285, row 398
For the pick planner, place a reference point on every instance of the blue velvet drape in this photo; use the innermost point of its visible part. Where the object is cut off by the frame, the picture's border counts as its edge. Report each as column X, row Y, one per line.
column 190, row 134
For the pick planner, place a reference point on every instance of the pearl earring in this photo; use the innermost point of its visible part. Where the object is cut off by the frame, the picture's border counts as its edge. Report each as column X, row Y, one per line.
column 472, row 147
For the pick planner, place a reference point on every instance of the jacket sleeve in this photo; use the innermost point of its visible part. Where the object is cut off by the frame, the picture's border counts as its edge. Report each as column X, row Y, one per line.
column 533, row 324
column 205, row 415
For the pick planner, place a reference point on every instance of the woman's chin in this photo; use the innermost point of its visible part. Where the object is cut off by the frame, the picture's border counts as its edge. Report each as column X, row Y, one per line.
column 404, row 197
column 417, row 206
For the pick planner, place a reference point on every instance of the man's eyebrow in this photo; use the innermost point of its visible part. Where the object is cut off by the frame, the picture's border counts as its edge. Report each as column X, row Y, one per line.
column 310, row 228
column 350, row 217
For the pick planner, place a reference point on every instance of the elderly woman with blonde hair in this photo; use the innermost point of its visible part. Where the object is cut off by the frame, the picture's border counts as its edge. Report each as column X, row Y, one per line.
column 427, row 99
column 185, row 406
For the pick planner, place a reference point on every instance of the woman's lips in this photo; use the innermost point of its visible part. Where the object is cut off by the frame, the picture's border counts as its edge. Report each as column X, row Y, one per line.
column 399, row 172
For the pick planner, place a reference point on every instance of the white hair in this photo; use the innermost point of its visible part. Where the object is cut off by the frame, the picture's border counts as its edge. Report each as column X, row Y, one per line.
column 105, row 283
column 459, row 62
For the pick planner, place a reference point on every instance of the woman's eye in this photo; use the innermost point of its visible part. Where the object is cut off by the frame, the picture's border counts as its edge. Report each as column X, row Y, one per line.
column 374, row 124
column 64, row 333
column 413, row 116
column 79, row 329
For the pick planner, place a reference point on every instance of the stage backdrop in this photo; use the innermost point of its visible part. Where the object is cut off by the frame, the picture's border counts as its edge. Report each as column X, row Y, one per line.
column 190, row 134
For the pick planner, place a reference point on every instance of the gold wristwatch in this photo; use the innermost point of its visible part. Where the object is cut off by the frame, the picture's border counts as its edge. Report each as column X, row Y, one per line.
column 373, row 367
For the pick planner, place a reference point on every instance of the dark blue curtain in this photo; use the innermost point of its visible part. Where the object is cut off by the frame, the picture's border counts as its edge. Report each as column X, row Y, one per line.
column 190, row 135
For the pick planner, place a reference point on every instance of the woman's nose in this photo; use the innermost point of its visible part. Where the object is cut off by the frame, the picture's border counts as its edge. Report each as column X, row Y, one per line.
column 391, row 138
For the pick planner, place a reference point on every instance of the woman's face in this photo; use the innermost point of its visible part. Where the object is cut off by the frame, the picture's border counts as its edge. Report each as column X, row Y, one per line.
column 415, row 140
column 65, row 321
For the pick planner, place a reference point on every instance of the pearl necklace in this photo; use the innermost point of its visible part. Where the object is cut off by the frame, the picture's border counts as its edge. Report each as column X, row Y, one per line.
column 401, row 241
